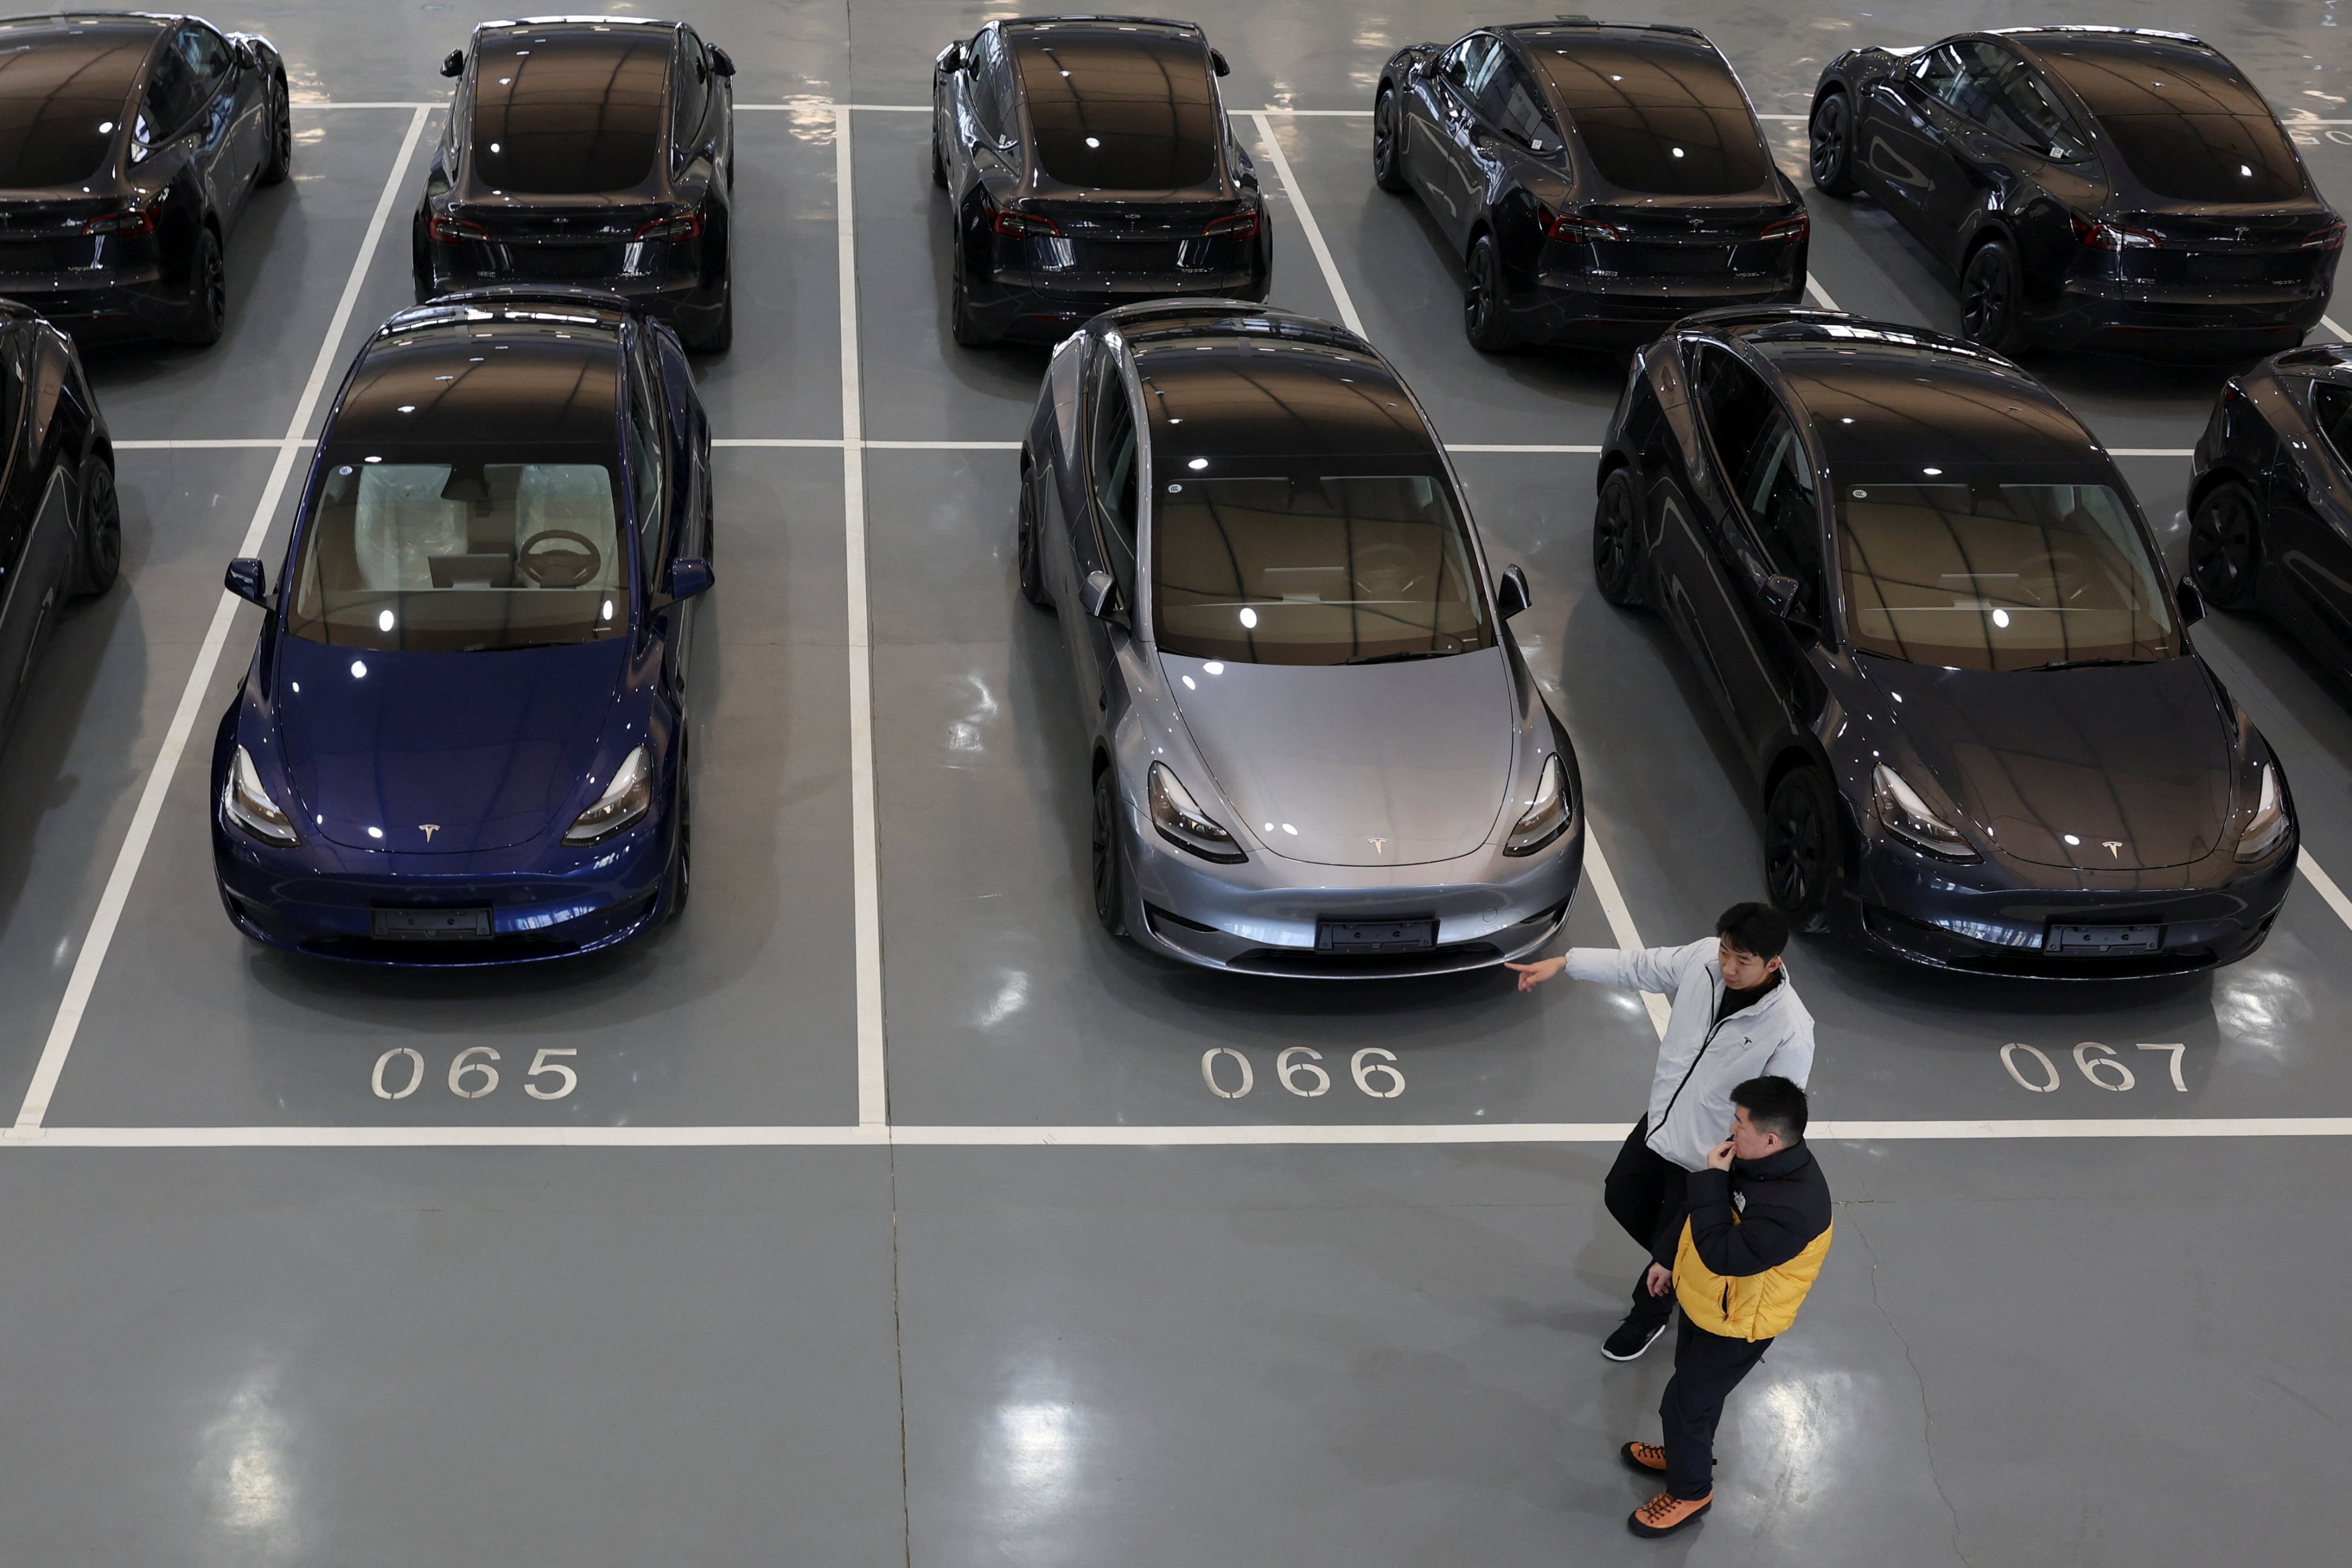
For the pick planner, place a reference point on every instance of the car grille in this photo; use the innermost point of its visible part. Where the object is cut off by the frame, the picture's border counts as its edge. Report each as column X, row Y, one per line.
column 1307, row 961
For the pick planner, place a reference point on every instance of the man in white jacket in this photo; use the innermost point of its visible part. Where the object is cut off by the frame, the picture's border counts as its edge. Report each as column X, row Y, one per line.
column 1736, row 1016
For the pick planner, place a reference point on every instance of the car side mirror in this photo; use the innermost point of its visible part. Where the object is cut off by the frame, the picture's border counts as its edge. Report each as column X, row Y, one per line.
column 1511, row 593
column 1217, row 63
column 1099, row 597
column 454, row 63
column 1782, row 593
column 954, row 58
column 245, row 58
column 721, row 62
column 2191, row 601
column 248, row 581
column 689, row 575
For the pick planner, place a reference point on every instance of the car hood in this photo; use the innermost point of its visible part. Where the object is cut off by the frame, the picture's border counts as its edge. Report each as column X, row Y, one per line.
column 1384, row 764
column 2126, row 768
column 482, row 748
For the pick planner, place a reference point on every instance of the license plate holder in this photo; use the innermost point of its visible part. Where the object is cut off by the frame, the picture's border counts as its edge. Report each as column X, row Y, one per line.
column 2096, row 940
column 431, row 925
column 1409, row 934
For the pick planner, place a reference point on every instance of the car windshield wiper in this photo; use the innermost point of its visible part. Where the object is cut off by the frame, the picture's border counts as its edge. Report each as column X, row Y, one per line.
column 1402, row 655
column 2086, row 663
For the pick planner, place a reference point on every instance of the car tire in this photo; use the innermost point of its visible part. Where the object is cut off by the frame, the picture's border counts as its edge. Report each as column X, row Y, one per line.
column 677, row 883
column 279, row 161
column 963, row 325
column 719, row 336
column 207, row 308
column 1800, row 848
column 1028, row 549
column 1109, row 876
column 1992, row 296
column 1830, row 157
column 1486, row 302
column 2225, row 551
column 1388, row 144
column 1617, row 542
column 101, row 527
column 938, row 164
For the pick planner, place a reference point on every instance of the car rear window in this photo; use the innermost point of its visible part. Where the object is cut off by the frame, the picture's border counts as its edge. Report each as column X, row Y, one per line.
column 61, row 101
column 566, row 113
column 1120, row 113
column 1661, row 120
column 1299, row 565
column 2188, row 124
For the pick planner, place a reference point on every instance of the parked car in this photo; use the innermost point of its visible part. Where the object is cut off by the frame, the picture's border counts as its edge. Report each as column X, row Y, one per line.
column 463, row 737
column 1089, row 163
column 2116, row 187
column 594, row 151
column 128, row 145
column 1597, row 180
column 1313, row 746
column 1938, row 631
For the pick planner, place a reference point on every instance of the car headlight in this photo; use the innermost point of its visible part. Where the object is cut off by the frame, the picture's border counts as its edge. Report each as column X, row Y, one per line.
column 1546, row 816
column 623, row 801
column 1185, row 825
column 248, row 804
column 2269, row 824
column 1902, row 813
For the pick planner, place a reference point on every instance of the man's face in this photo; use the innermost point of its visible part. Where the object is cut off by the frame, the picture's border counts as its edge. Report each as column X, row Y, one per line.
column 1747, row 1142
column 1742, row 971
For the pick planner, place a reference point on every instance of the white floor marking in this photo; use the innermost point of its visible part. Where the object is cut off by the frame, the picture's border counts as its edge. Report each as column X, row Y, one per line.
column 2325, row 885
column 1821, row 295
column 1318, row 113
column 944, row 445
column 864, row 854
column 223, row 444
column 2151, row 451
column 1603, row 883
column 117, row 893
column 356, row 104
column 1481, row 446
column 1306, row 225
column 2341, row 335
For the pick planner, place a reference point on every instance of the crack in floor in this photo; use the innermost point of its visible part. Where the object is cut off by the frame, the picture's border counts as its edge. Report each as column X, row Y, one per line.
column 1927, row 1417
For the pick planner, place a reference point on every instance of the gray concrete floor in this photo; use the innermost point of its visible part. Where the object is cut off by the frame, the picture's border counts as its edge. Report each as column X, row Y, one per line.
column 2068, row 1351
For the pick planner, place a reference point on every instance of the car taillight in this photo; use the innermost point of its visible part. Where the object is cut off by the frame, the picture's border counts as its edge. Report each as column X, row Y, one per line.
column 686, row 225
column 2328, row 238
column 2114, row 237
column 130, row 220
column 1024, row 224
column 1241, row 226
column 454, row 230
column 1576, row 226
column 1792, row 229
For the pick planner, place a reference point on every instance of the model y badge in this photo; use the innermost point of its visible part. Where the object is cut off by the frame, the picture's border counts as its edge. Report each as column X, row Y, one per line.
column 429, row 829
column 2114, row 847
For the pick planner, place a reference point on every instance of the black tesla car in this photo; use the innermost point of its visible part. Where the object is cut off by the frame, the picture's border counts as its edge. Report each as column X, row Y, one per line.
column 129, row 144
column 60, row 530
column 1938, row 628
column 2270, row 499
column 591, row 151
column 2111, row 186
column 1598, row 180
column 1089, row 164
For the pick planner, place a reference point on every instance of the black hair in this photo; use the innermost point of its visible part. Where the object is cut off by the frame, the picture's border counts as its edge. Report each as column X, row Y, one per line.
column 1773, row 1105
column 1758, row 929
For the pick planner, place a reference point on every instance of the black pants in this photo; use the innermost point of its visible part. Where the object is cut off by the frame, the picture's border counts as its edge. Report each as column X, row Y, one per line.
column 1708, row 1367
column 1647, row 1192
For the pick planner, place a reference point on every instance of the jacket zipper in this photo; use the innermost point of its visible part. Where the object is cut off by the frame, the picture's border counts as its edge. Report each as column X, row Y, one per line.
column 1715, row 1002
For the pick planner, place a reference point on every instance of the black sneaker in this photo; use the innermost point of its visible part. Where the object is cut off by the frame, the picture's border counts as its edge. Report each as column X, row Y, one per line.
column 1631, row 1338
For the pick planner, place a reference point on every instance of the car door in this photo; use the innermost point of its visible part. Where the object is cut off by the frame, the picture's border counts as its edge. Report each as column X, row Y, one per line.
column 2310, row 504
column 1439, row 146
column 225, row 149
column 1103, row 533
column 35, row 527
column 689, row 98
column 1510, row 126
column 654, row 492
column 1902, row 157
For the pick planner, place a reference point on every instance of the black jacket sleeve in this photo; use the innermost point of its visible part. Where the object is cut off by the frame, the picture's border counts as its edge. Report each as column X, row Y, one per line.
column 1669, row 1239
column 1765, row 1236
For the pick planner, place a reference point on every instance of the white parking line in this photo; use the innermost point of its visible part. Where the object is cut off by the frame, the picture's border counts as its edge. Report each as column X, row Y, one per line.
column 1483, row 447
column 1307, row 225
column 101, row 935
column 272, row 442
column 1821, row 295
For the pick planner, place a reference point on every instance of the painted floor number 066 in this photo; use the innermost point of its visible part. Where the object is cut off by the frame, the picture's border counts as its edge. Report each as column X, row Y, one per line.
column 2033, row 1069
column 401, row 1069
column 1300, row 1071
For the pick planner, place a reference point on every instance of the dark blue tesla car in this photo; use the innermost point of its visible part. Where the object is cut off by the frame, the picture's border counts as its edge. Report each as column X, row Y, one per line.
column 463, row 738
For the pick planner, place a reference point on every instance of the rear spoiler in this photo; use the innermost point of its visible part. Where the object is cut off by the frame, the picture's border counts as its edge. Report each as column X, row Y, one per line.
column 515, row 298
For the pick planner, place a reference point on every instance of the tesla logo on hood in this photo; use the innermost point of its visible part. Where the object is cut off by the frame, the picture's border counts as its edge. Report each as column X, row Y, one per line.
column 429, row 829
column 1379, row 846
column 2114, row 847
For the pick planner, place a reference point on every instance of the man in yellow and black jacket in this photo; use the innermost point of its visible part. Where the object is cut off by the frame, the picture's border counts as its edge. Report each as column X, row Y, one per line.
column 1756, row 1233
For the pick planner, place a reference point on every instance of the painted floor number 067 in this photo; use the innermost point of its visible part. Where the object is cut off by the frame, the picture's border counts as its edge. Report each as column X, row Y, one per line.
column 401, row 1069
column 1300, row 1069
column 2033, row 1069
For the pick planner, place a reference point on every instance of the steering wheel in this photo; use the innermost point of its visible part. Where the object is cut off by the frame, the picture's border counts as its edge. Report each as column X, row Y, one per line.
column 563, row 568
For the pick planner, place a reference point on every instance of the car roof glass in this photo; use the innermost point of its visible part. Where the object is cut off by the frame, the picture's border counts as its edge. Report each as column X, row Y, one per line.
column 1662, row 116
column 569, row 111
column 484, row 384
column 1119, row 108
column 2188, row 124
column 63, row 86
column 1223, row 397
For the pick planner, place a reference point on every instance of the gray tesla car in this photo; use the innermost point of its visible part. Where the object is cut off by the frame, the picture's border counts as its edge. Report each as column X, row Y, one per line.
column 1315, row 749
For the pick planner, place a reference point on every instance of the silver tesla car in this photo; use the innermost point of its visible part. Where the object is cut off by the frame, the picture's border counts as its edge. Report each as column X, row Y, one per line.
column 1315, row 749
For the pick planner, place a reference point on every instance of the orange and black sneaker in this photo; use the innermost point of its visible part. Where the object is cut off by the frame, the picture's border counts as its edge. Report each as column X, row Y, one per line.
column 1647, row 1457
column 1665, row 1513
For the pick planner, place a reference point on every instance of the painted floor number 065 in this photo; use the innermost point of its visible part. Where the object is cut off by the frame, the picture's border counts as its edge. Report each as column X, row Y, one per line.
column 2033, row 1069
column 401, row 1069
column 1300, row 1071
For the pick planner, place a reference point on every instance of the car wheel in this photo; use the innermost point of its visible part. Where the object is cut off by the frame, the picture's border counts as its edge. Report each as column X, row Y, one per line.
column 101, row 527
column 681, row 861
column 1109, row 876
column 1991, row 295
column 938, row 164
column 1388, row 144
column 1830, row 160
column 207, row 311
column 280, row 158
column 2225, row 546
column 1025, row 545
column 1486, row 303
column 1617, row 542
column 962, row 324
column 719, row 336
column 1801, row 849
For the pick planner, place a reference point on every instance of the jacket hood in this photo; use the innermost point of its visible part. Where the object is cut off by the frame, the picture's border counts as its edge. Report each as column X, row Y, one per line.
column 2126, row 768
column 1387, row 764
column 483, row 749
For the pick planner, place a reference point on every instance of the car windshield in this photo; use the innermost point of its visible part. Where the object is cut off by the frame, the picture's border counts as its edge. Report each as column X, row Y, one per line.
column 1660, row 121
column 1998, row 576
column 1132, row 114
column 61, row 101
column 465, row 553
column 1308, row 567
column 2188, row 124
column 563, row 114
